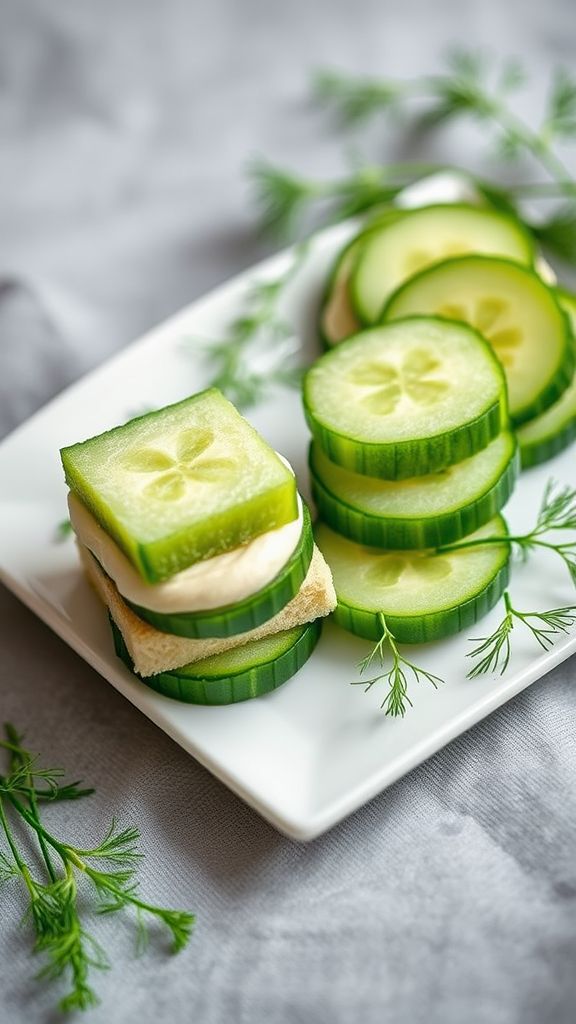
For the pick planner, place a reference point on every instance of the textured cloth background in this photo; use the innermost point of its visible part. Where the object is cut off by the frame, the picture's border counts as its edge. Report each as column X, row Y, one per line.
column 124, row 129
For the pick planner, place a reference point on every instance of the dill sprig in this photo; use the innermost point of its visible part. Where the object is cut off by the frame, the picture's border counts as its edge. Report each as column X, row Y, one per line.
column 557, row 513
column 397, row 677
column 257, row 349
column 284, row 198
column 54, row 909
column 471, row 86
column 494, row 651
column 354, row 98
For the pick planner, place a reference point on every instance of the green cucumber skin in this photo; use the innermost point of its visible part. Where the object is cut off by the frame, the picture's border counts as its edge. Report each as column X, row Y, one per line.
column 533, row 453
column 245, row 685
column 565, row 371
column 245, row 615
column 157, row 560
column 404, row 459
column 420, row 629
column 521, row 230
column 404, row 534
column 537, row 452
column 556, row 387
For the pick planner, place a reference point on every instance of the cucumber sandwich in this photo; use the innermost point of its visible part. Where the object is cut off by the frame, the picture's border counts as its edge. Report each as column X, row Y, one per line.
column 191, row 530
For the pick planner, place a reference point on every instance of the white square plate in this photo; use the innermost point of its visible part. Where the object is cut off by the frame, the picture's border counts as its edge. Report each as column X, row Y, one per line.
column 312, row 752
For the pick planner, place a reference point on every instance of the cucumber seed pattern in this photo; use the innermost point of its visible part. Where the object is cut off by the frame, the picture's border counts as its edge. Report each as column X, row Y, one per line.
column 417, row 259
column 389, row 569
column 489, row 317
column 388, row 384
column 173, row 474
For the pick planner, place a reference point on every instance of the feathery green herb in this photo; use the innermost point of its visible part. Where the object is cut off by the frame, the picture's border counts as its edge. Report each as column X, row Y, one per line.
column 557, row 513
column 471, row 86
column 397, row 677
column 253, row 355
column 54, row 908
column 493, row 652
column 259, row 343
column 284, row 198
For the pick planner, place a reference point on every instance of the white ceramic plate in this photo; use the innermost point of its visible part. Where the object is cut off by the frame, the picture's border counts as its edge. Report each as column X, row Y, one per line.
column 315, row 750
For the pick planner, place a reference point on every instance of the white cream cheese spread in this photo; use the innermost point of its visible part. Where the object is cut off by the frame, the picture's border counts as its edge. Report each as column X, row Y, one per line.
column 213, row 583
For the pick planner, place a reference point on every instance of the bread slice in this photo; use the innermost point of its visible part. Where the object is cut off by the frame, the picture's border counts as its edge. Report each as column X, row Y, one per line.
column 153, row 651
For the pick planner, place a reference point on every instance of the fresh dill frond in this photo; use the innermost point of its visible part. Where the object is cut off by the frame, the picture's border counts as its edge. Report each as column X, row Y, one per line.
column 283, row 210
column 280, row 196
column 560, row 117
column 557, row 513
column 54, row 909
column 355, row 98
column 557, row 509
column 69, row 950
column 25, row 775
column 494, row 651
column 8, row 868
column 258, row 349
column 396, row 678
column 70, row 791
column 117, row 846
column 471, row 86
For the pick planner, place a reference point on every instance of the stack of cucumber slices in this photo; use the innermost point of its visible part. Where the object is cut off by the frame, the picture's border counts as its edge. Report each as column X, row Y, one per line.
column 193, row 533
column 450, row 364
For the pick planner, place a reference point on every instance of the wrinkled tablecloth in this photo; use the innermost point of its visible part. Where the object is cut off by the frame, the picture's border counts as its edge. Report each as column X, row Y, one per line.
column 124, row 131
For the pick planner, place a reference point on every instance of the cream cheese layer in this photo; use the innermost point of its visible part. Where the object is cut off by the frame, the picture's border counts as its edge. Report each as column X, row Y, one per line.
column 213, row 583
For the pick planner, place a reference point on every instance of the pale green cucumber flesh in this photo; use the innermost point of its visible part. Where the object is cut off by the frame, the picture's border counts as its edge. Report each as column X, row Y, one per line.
column 406, row 399
column 513, row 308
column 423, row 595
column 421, row 512
column 426, row 236
column 251, row 670
column 245, row 615
column 182, row 484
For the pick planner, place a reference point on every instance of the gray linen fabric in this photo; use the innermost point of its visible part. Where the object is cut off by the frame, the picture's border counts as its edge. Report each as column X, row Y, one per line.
column 124, row 128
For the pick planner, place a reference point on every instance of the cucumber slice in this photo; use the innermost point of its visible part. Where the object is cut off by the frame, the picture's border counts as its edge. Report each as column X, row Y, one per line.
column 182, row 484
column 424, row 512
column 249, row 613
column 426, row 236
column 547, row 435
column 406, row 399
column 513, row 308
column 240, row 674
column 338, row 319
column 423, row 595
